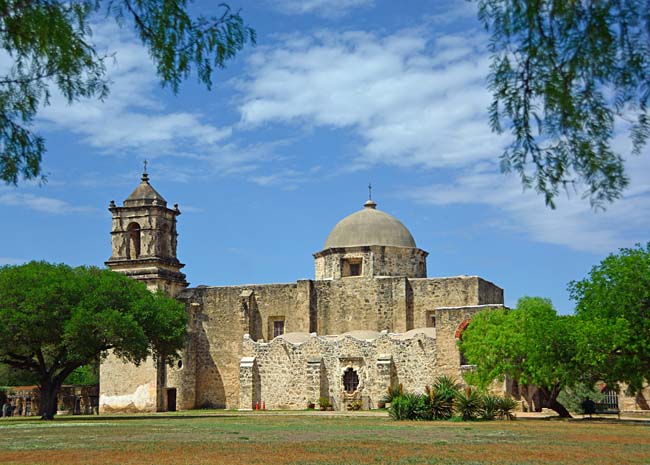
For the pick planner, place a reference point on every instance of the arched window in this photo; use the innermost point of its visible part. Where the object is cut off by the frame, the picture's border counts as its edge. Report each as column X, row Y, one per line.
column 133, row 244
column 350, row 380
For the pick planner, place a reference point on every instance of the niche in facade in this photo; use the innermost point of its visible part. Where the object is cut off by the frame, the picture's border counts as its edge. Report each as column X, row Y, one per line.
column 133, row 249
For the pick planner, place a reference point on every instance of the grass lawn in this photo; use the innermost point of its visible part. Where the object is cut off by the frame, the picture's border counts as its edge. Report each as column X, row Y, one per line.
column 325, row 440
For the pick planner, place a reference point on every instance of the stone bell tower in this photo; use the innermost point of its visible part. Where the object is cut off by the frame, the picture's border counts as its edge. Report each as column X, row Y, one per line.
column 144, row 240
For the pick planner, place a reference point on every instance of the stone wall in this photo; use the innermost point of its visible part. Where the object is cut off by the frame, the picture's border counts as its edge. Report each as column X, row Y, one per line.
column 458, row 291
column 222, row 315
column 291, row 371
column 374, row 260
column 450, row 323
column 125, row 387
column 356, row 303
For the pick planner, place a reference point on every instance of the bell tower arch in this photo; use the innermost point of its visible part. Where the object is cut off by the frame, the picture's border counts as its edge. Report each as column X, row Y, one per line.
column 144, row 239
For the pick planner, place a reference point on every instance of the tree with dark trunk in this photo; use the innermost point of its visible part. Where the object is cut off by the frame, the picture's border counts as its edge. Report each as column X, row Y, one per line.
column 530, row 344
column 613, row 308
column 55, row 319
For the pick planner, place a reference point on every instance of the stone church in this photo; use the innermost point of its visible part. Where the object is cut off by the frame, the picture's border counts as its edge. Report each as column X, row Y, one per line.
column 370, row 319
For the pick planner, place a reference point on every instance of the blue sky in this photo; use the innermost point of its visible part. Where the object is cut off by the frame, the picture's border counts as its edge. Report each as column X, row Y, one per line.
column 337, row 93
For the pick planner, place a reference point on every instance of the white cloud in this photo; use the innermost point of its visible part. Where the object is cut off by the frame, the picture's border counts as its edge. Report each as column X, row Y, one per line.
column 40, row 203
column 413, row 101
column 420, row 101
column 130, row 118
column 325, row 8
column 573, row 223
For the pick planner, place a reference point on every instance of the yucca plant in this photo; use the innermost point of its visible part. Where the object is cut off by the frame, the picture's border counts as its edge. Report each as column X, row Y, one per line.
column 468, row 404
column 422, row 409
column 405, row 407
column 439, row 404
column 490, row 404
column 506, row 408
column 446, row 387
column 395, row 390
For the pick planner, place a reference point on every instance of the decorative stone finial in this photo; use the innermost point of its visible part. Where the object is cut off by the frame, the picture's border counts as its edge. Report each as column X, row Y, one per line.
column 145, row 176
column 370, row 204
column 112, row 204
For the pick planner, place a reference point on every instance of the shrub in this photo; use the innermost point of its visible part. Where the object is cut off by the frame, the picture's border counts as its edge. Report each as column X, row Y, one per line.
column 404, row 407
column 324, row 402
column 447, row 387
column 490, row 405
column 355, row 405
column 572, row 397
column 506, row 408
column 440, row 406
column 468, row 404
column 393, row 391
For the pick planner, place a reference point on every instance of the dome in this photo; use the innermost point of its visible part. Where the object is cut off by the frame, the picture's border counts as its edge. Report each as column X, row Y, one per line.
column 369, row 227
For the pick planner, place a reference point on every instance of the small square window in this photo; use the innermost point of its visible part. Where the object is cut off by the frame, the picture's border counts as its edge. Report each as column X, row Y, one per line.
column 278, row 328
column 351, row 267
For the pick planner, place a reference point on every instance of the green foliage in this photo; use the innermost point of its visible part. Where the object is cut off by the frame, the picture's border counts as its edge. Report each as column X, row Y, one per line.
column 505, row 408
column 55, row 319
column 85, row 375
column 440, row 402
column 49, row 44
column 573, row 397
column 613, row 310
column 10, row 376
column 406, row 407
column 469, row 405
column 562, row 72
column 355, row 405
column 392, row 392
column 489, row 406
column 446, row 387
column 324, row 402
column 531, row 344
column 435, row 404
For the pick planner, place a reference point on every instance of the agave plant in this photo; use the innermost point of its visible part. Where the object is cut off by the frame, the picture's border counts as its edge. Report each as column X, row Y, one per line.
column 395, row 390
column 439, row 404
column 405, row 407
column 505, row 408
column 490, row 404
column 446, row 387
column 468, row 404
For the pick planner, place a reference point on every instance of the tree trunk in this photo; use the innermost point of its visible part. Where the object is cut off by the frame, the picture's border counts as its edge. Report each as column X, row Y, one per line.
column 49, row 393
column 550, row 396
column 554, row 405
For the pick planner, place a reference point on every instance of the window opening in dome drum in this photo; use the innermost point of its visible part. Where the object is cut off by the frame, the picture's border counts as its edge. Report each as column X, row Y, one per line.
column 351, row 267
column 350, row 380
